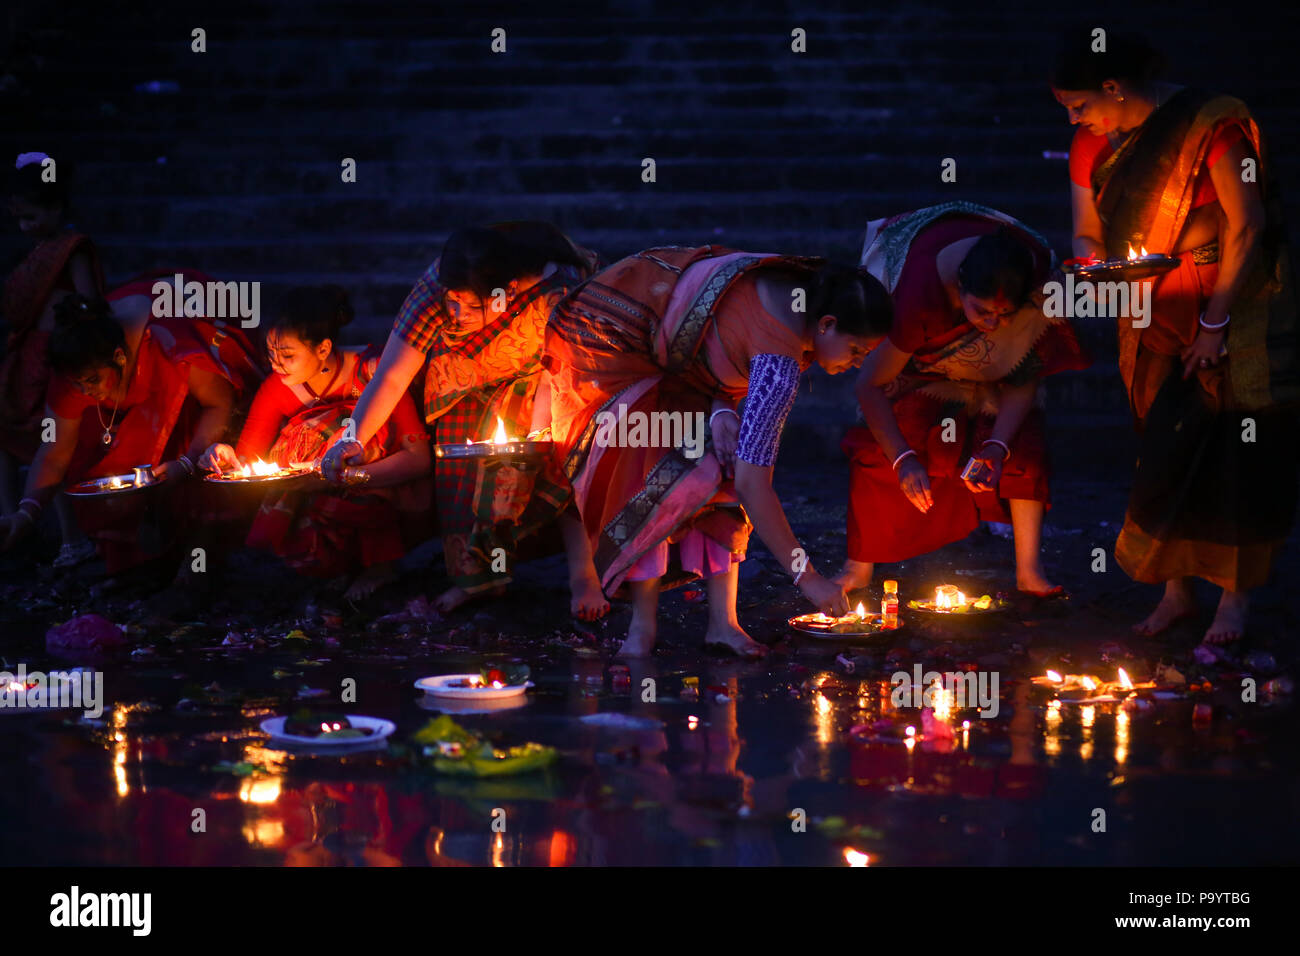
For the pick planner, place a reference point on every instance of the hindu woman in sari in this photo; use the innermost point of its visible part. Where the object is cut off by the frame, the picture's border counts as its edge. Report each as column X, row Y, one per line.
column 61, row 262
column 131, row 389
column 475, row 323
column 956, row 382
column 679, row 337
column 357, row 533
column 1211, row 375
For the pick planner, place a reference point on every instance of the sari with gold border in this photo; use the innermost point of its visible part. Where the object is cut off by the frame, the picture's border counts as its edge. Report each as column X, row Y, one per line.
column 1214, row 495
column 654, row 333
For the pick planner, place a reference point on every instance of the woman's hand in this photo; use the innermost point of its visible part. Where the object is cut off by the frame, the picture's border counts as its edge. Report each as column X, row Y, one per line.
column 15, row 529
column 726, row 438
column 915, row 483
column 341, row 455
column 826, row 596
column 1204, row 352
column 994, row 457
column 170, row 471
column 219, row 457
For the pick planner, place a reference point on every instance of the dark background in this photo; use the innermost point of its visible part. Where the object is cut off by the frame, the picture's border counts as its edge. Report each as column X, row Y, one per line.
column 237, row 172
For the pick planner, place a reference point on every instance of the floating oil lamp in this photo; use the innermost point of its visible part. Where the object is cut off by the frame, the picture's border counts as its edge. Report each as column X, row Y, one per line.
column 855, row 858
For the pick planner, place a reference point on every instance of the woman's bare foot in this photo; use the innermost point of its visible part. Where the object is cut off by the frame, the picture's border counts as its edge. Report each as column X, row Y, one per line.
column 1229, row 622
column 854, row 576
column 640, row 640
column 588, row 602
column 1033, row 581
column 369, row 581
column 733, row 638
column 455, row 596
column 644, row 629
column 1178, row 603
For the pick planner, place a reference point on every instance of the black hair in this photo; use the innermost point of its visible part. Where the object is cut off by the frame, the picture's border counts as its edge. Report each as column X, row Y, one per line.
column 1128, row 57
column 85, row 335
column 998, row 264
column 482, row 259
column 313, row 313
column 28, row 185
column 859, row 302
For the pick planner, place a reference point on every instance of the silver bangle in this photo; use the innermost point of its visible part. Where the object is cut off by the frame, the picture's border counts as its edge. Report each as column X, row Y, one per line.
column 39, row 507
column 186, row 464
column 799, row 576
column 909, row 451
column 997, row 441
column 729, row 411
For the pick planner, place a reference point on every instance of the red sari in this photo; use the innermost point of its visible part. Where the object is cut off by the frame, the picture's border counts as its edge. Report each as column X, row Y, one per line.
column 25, row 371
column 332, row 533
column 155, row 422
column 955, row 373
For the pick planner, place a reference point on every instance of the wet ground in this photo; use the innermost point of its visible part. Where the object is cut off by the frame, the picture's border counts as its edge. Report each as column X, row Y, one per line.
column 795, row 760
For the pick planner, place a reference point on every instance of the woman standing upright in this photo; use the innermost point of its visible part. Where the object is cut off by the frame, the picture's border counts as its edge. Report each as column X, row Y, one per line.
column 1211, row 380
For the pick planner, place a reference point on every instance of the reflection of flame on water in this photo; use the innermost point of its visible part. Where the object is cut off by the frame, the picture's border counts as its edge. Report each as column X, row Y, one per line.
column 940, row 702
column 854, row 858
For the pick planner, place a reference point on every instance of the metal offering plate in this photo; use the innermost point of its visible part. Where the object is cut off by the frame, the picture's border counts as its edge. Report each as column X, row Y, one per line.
column 968, row 611
column 837, row 628
column 487, row 449
column 296, row 470
column 141, row 479
column 1125, row 270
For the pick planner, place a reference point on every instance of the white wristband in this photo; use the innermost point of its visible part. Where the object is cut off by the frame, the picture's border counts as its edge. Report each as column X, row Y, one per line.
column 1214, row 328
column 902, row 456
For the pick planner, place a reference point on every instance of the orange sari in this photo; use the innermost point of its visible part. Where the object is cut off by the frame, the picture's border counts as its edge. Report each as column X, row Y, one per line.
column 667, row 329
column 1206, row 501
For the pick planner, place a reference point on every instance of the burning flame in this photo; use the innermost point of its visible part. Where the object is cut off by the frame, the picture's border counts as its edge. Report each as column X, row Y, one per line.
column 946, row 595
column 1054, row 677
column 1124, row 680
column 1134, row 255
column 499, row 437
column 853, row 858
column 259, row 469
column 860, row 612
column 1088, row 683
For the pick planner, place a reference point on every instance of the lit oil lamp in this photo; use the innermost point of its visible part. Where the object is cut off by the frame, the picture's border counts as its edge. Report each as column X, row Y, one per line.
column 949, row 599
column 855, row 858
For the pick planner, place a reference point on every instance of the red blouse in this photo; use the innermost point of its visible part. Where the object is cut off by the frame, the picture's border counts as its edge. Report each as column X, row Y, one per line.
column 1088, row 151
column 924, row 319
column 275, row 403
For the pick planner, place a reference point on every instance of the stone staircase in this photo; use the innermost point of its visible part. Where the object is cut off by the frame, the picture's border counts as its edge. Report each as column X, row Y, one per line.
column 237, row 172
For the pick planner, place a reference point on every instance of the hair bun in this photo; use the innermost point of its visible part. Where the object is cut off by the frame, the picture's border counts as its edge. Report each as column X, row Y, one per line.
column 342, row 303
